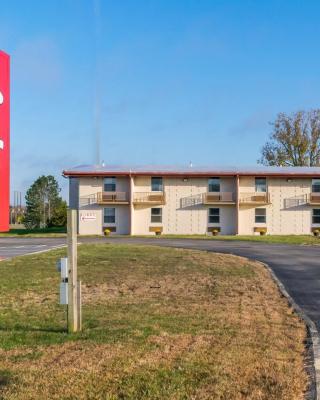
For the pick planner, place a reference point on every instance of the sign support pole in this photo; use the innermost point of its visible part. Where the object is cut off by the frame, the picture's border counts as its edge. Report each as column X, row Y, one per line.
column 74, row 290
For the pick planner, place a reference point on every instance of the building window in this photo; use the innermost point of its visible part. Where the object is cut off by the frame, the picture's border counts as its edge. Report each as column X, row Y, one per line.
column 316, row 216
column 109, row 184
column 214, row 185
column 214, row 215
column 261, row 185
column 260, row 215
column 156, row 214
column 156, row 184
column 109, row 215
column 315, row 185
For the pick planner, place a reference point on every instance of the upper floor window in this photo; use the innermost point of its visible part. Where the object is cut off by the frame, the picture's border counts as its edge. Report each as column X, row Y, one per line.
column 214, row 215
column 109, row 215
column 261, row 215
column 316, row 185
column 109, row 184
column 214, row 185
column 316, row 216
column 156, row 184
column 156, row 214
column 261, row 185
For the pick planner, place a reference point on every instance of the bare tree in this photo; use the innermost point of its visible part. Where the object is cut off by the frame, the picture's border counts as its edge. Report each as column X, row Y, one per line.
column 295, row 140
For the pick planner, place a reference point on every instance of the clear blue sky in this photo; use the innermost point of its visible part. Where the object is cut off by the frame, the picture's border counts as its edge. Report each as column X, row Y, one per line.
column 180, row 80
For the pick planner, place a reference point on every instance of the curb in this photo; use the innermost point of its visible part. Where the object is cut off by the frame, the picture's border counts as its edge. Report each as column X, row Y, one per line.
column 312, row 330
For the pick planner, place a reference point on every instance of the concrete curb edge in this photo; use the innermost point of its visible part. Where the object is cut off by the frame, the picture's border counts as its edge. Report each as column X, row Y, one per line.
column 313, row 332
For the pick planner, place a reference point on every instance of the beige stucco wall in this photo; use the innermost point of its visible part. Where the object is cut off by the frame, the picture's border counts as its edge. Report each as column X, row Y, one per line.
column 288, row 212
column 91, row 215
column 183, row 212
column 91, row 220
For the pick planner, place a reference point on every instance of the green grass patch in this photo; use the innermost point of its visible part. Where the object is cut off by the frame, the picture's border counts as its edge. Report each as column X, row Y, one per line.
column 158, row 323
column 45, row 232
column 284, row 239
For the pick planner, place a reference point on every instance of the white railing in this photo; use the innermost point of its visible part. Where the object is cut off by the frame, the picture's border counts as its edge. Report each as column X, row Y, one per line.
column 218, row 197
column 149, row 197
column 254, row 197
column 112, row 197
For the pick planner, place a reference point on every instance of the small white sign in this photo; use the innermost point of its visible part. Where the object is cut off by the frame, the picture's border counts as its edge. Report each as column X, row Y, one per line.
column 1, row 98
column 63, row 293
column 84, row 217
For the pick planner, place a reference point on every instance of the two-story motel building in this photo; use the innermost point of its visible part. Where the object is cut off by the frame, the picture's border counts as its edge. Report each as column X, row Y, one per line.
column 244, row 201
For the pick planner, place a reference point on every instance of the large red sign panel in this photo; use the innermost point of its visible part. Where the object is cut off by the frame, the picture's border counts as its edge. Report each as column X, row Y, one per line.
column 4, row 140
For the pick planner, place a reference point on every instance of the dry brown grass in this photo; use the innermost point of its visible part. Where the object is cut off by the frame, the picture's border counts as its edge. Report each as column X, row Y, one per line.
column 161, row 324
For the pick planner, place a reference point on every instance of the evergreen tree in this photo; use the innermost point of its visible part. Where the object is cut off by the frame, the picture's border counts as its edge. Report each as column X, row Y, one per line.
column 42, row 199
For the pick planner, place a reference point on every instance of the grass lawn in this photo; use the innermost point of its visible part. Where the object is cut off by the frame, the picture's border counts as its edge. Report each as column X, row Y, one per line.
column 158, row 324
column 46, row 232
column 284, row 239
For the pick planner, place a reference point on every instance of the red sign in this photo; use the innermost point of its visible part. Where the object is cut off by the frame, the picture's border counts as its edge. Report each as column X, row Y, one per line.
column 4, row 140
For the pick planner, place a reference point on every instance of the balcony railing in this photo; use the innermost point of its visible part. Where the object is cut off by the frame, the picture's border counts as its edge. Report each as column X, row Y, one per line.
column 219, row 198
column 314, row 198
column 149, row 198
column 112, row 198
column 254, row 198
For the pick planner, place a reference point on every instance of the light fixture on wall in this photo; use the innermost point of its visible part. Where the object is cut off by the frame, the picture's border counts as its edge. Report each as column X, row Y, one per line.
column 289, row 180
column 185, row 179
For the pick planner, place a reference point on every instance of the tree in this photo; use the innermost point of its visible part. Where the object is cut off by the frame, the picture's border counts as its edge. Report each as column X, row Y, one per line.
column 42, row 200
column 59, row 214
column 295, row 140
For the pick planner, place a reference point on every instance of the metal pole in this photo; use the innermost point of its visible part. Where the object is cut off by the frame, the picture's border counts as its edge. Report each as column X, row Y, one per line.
column 74, row 301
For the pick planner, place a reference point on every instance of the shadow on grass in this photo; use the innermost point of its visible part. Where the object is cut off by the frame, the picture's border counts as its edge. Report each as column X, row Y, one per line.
column 25, row 328
column 37, row 231
column 5, row 378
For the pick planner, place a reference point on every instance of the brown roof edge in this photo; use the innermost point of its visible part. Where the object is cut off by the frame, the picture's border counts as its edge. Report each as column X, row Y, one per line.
column 191, row 174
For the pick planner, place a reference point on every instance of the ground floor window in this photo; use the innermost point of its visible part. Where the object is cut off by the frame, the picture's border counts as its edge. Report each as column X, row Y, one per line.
column 156, row 214
column 260, row 215
column 109, row 215
column 316, row 216
column 214, row 215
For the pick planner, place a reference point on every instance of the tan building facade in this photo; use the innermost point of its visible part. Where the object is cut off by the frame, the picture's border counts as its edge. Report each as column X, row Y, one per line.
column 146, row 201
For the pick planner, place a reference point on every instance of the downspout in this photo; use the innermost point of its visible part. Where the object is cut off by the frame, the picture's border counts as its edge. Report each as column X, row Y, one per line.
column 131, row 209
column 237, row 205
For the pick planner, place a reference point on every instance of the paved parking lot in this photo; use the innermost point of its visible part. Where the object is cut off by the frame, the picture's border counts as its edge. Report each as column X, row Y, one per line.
column 12, row 247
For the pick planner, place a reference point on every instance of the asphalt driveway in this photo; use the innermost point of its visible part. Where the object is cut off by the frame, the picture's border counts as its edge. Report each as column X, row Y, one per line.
column 12, row 246
column 297, row 267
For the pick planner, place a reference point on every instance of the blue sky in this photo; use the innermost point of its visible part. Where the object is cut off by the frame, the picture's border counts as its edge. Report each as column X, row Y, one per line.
column 179, row 80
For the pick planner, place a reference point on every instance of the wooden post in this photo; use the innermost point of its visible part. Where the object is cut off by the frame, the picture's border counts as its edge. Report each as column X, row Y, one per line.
column 74, row 314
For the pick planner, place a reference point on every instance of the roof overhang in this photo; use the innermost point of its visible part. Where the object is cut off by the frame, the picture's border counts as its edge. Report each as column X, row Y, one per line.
column 194, row 174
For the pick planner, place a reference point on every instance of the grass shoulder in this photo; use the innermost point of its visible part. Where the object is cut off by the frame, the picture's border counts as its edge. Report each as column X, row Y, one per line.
column 158, row 323
column 46, row 232
column 284, row 239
